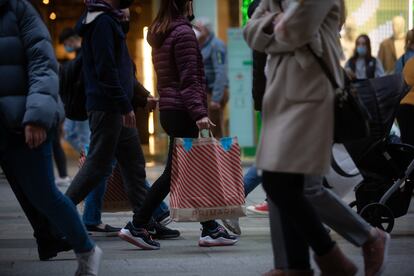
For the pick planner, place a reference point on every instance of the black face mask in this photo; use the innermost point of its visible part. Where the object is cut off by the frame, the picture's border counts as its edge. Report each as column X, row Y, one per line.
column 190, row 17
column 125, row 26
column 124, row 4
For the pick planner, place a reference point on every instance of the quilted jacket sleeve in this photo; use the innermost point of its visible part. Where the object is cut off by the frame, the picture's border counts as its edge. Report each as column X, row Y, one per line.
column 42, row 104
column 191, row 73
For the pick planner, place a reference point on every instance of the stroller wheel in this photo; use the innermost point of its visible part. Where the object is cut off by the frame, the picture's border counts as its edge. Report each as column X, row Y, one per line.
column 378, row 215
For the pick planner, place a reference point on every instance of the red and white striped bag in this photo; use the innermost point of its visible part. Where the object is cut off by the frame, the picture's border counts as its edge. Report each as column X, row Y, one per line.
column 207, row 180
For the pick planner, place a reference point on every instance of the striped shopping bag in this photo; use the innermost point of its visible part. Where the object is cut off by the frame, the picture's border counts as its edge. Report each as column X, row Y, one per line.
column 206, row 180
column 115, row 198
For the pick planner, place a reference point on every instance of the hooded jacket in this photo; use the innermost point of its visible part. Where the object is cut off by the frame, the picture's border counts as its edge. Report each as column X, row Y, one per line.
column 107, row 66
column 28, row 69
column 179, row 66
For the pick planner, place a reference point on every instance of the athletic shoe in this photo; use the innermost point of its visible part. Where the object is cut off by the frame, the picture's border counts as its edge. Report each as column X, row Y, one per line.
column 157, row 231
column 232, row 225
column 89, row 262
column 102, row 230
column 216, row 237
column 138, row 237
column 164, row 219
column 48, row 249
column 260, row 209
column 376, row 254
column 63, row 182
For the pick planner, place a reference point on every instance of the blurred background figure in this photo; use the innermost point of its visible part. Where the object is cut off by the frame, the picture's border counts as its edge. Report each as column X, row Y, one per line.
column 406, row 112
column 215, row 66
column 362, row 65
column 392, row 48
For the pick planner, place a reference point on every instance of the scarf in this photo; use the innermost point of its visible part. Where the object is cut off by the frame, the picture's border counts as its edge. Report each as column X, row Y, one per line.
column 101, row 5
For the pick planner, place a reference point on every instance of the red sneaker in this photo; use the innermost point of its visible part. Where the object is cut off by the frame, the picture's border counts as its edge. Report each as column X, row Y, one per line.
column 261, row 208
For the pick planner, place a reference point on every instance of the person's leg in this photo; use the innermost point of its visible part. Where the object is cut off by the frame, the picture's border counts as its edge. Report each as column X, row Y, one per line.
column 37, row 184
column 162, row 210
column 59, row 154
column 159, row 190
column 93, row 205
column 106, row 129
column 251, row 180
column 84, row 133
column 301, row 225
column 71, row 136
column 335, row 213
column 405, row 116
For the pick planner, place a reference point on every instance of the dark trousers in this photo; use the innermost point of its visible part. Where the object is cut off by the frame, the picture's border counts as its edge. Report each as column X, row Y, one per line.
column 109, row 141
column 59, row 154
column 405, row 118
column 300, row 224
column 176, row 124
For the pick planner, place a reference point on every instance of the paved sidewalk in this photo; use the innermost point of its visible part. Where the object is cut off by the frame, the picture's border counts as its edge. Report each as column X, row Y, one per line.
column 252, row 256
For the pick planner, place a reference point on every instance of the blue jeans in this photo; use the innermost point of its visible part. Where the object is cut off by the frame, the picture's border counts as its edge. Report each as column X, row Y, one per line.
column 93, row 205
column 29, row 171
column 77, row 134
column 251, row 180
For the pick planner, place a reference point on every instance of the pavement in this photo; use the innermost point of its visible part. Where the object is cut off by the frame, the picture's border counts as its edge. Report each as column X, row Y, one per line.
column 251, row 256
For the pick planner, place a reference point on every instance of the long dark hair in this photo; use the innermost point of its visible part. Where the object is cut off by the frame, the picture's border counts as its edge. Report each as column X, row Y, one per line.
column 368, row 55
column 169, row 10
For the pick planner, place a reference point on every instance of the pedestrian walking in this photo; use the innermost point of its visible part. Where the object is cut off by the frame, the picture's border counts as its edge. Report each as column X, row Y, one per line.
column 297, row 132
column 362, row 65
column 406, row 110
column 183, row 107
column 214, row 54
column 29, row 111
column 109, row 86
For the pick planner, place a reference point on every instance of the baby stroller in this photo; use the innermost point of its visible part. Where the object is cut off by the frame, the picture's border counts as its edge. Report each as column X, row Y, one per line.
column 385, row 165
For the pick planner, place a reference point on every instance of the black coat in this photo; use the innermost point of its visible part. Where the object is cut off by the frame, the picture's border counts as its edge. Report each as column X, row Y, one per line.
column 28, row 69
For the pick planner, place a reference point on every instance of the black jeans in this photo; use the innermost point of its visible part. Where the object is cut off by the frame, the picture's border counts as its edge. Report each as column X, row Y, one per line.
column 110, row 140
column 176, row 124
column 405, row 118
column 301, row 226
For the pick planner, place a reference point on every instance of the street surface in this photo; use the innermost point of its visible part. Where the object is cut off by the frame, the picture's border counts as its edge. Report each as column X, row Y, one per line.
column 252, row 256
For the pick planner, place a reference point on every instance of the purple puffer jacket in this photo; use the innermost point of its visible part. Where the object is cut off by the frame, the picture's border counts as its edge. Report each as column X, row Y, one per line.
column 180, row 70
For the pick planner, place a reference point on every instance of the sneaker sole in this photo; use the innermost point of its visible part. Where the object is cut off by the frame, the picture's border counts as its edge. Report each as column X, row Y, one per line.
column 125, row 235
column 103, row 234
column 386, row 247
column 257, row 212
column 209, row 242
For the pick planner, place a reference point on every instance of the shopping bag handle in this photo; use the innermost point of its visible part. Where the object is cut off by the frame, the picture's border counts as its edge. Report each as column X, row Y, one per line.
column 201, row 134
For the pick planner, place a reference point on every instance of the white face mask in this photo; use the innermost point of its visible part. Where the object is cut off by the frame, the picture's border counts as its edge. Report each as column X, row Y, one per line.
column 197, row 33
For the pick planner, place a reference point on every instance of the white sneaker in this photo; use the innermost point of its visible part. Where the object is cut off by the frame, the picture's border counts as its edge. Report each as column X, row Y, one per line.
column 89, row 262
column 63, row 182
column 232, row 225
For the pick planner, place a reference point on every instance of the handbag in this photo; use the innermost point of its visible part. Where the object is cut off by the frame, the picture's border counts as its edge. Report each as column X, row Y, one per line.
column 351, row 116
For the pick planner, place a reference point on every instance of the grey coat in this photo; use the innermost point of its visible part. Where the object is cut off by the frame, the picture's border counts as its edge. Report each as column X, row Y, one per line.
column 28, row 69
column 298, row 104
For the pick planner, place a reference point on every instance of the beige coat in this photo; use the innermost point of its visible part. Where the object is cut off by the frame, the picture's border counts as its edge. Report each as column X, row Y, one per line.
column 297, row 133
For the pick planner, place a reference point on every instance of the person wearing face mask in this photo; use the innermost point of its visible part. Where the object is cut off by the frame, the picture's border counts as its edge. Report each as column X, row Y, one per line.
column 109, row 78
column 362, row 65
column 183, row 108
column 92, row 215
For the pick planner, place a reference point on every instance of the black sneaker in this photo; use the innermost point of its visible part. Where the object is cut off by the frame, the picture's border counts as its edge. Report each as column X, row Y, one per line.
column 48, row 249
column 216, row 237
column 138, row 237
column 102, row 231
column 160, row 232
